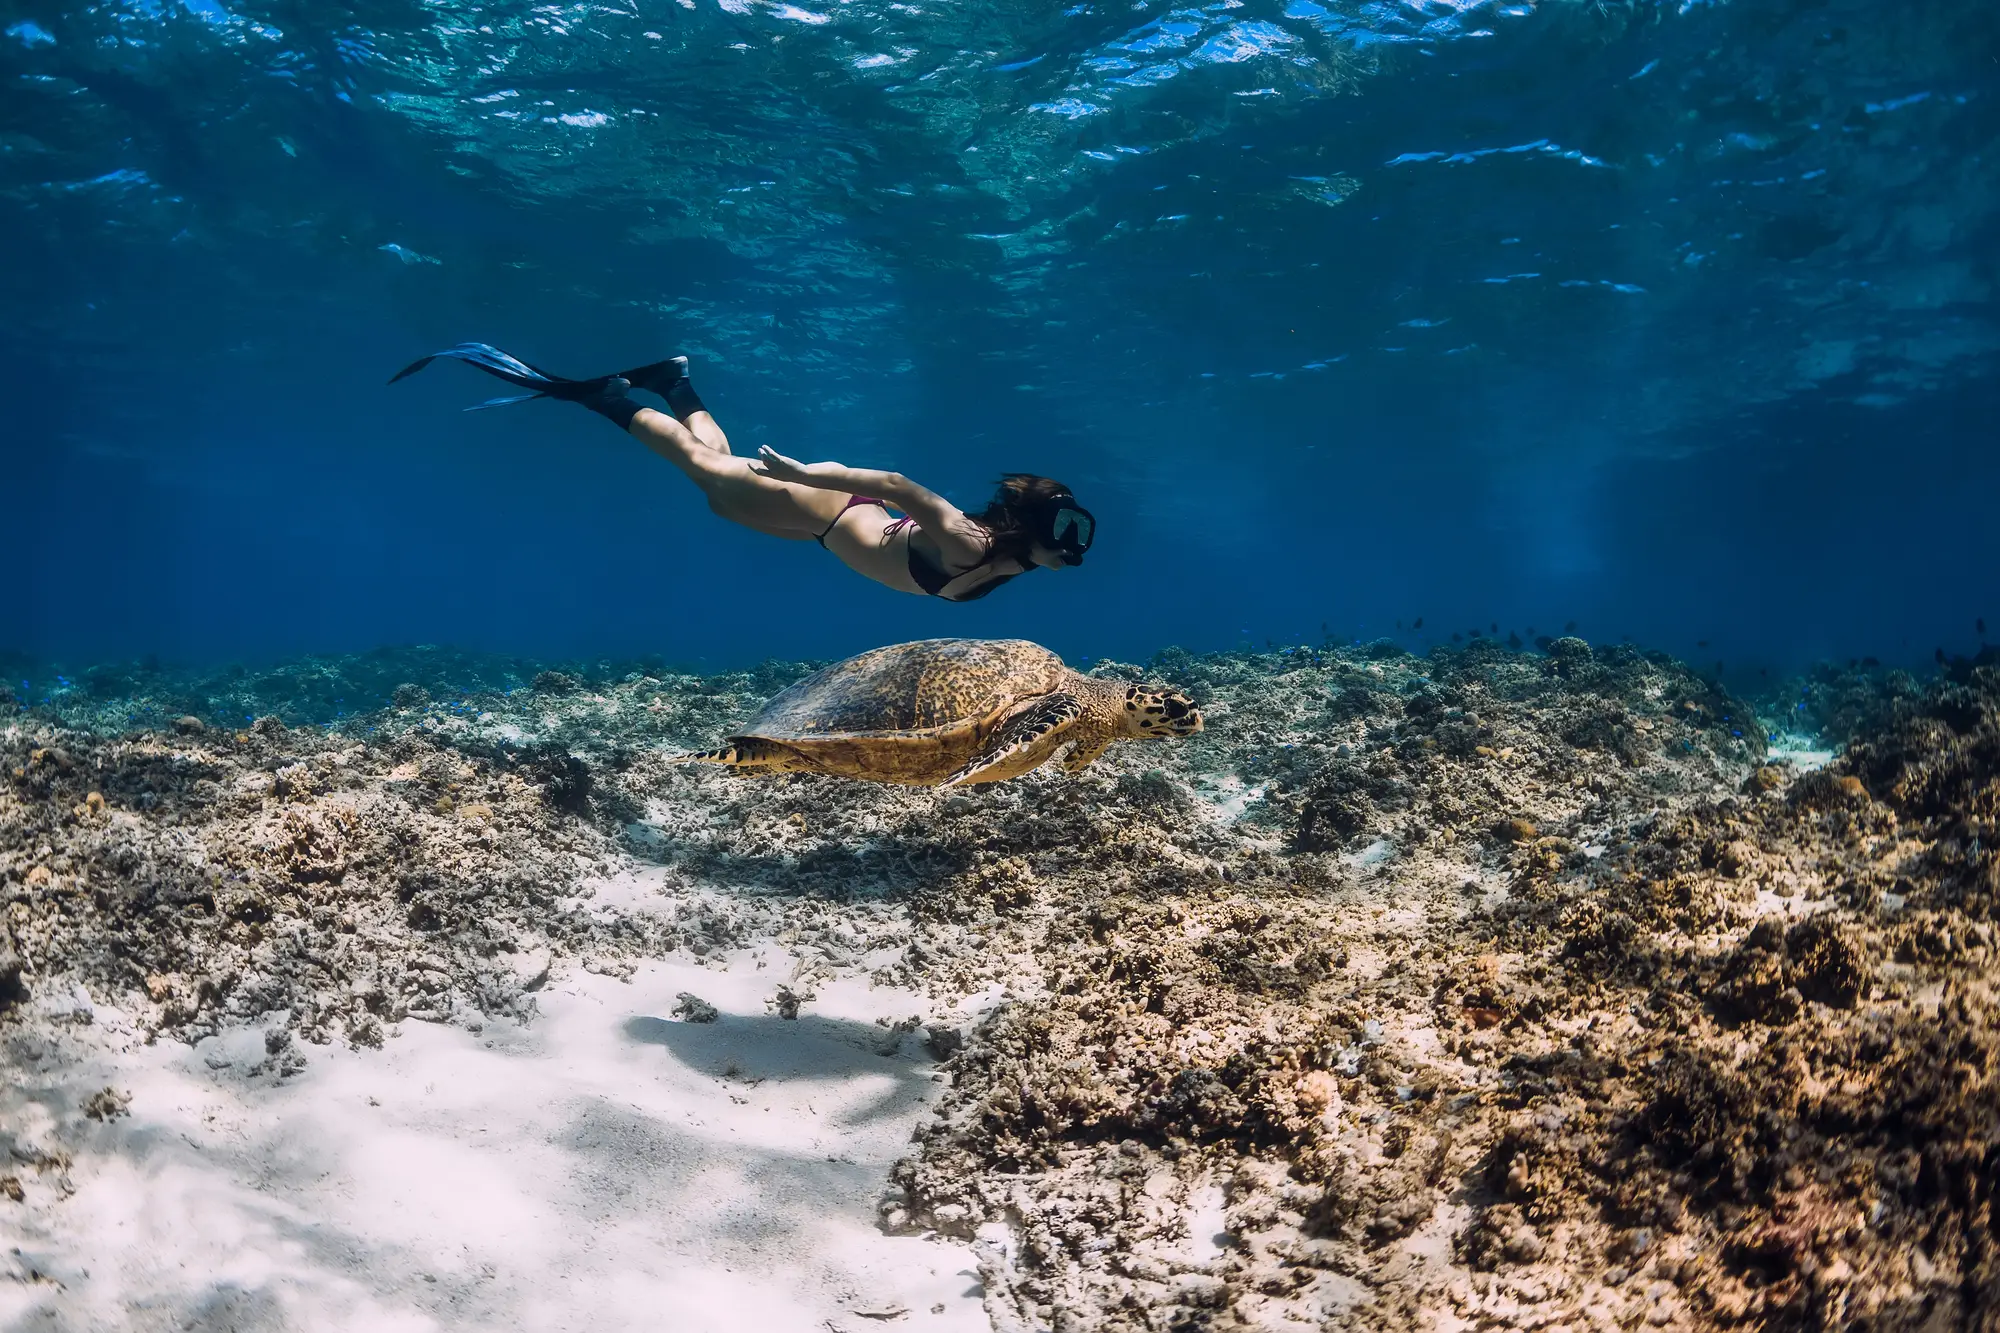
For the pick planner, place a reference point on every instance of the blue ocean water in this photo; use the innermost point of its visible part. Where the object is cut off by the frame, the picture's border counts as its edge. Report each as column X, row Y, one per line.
column 1674, row 321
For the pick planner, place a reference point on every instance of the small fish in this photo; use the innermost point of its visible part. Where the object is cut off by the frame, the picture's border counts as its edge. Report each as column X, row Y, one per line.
column 1939, row 654
column 1456, row 637
column 1980, row 625
column 1418, row 623
column 1494, row 628
column 1570, row 628
column 1701, row 643
column 1475, row 634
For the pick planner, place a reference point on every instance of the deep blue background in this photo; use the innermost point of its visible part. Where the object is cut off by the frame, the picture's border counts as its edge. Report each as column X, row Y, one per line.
column 1708, row 358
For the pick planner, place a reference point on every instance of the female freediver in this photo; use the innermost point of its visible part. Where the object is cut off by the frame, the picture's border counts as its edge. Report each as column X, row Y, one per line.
column 933, row 548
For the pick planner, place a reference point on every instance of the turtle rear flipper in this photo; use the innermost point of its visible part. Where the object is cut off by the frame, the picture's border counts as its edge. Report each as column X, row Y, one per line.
column 748, row 752
column 1022, row 742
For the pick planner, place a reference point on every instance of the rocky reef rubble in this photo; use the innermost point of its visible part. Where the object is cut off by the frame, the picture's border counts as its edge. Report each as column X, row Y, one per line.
column 1625, row 1029
column 1492, row 988
column 431, row 858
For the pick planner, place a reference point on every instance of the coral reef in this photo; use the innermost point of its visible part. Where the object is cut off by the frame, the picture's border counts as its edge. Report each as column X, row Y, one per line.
column 420, row 859
column 1495, row 987
column 1689, row 1058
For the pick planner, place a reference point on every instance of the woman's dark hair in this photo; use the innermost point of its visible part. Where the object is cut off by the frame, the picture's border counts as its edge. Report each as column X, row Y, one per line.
column 1012, row 517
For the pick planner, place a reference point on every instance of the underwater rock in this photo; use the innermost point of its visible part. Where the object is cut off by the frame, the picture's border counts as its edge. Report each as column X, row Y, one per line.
column 943, row 1040
column 1828, row 962
column 1568, row 656
column 691, row 1008
column 530, row 970
column 1339, row 807
column 554, row 682
column 1410, row 979
column 566, row 780
column 13, row 982
column 1767, row 778
column 1140, row 1041
column 1754, row 983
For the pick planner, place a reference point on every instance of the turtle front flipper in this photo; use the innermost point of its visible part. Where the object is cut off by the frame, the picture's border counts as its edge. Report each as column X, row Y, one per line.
column 1086, row 752
column 1022, row 742
column 749, row 753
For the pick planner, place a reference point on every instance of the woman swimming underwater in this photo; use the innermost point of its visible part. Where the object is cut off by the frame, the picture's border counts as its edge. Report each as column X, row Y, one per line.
column 932, row 549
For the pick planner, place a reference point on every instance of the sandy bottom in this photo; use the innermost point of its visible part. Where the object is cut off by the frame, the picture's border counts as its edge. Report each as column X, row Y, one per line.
column 607, row 1167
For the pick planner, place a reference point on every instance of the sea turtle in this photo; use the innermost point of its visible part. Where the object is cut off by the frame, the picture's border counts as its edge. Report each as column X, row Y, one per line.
column 948, row 712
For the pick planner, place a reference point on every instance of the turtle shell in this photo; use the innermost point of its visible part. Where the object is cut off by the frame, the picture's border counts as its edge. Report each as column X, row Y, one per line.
column 911, row 690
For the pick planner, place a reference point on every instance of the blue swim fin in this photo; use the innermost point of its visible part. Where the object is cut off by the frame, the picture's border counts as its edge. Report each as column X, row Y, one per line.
column 504, row 365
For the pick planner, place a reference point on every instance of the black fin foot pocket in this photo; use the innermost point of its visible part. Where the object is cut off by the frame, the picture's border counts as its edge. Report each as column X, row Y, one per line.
column 660, row 377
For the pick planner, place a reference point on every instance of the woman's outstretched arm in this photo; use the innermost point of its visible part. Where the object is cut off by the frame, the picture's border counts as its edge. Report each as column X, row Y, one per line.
column 959, row 539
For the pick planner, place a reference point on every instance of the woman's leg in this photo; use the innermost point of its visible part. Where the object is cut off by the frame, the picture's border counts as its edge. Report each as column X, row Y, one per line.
column 669, row 379
column 699, row 449
column 704, row 428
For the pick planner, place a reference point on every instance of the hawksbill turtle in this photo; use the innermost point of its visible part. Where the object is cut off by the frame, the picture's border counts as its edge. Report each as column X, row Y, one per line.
column 948, row 713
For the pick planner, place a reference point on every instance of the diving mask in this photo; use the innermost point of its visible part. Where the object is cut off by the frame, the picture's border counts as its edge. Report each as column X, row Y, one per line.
column 1068, row 527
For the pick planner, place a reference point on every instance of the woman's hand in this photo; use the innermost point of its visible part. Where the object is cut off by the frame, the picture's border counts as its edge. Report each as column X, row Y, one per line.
column 770, row 463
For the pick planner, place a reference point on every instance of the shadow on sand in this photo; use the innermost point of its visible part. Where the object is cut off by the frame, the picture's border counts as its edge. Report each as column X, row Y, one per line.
column 754, row 1049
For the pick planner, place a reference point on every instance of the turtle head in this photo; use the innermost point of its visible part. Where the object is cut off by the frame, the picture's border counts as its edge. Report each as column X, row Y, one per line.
column 1151, row 714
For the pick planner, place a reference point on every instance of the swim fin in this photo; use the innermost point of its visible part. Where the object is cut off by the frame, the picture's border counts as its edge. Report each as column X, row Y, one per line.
column 669, row 379
column 660, row 377
column 605, row 394
column 505, row 366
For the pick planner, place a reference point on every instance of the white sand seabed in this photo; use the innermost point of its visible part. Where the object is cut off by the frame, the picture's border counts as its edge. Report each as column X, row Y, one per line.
column 605, row 1167
column 1805, row 753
